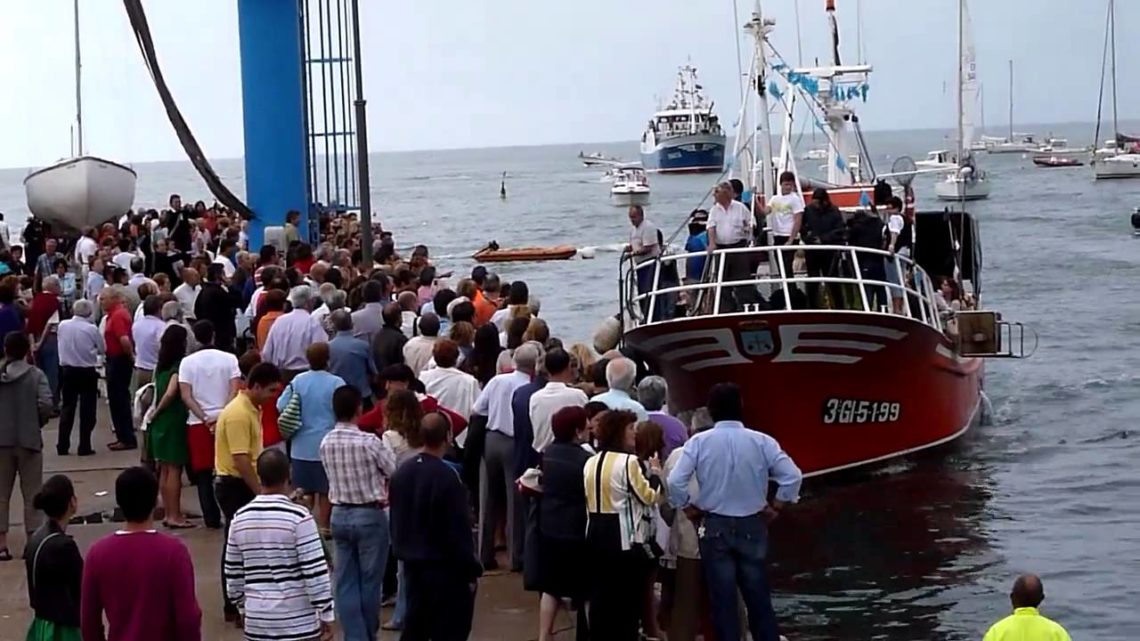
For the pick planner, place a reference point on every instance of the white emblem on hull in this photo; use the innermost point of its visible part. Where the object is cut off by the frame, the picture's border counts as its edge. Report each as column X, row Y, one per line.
column 716, row 348
column 796, row 348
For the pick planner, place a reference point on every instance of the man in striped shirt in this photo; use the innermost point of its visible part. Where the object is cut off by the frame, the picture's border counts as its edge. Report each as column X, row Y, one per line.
column 275, row 568
column 358, row 465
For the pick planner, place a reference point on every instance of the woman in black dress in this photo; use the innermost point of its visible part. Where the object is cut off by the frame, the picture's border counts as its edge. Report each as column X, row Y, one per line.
column 562, row 520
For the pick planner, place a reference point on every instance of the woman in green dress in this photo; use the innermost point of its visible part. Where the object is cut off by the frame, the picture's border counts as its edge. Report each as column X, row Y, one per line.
column 54, row 566
column 166, row 431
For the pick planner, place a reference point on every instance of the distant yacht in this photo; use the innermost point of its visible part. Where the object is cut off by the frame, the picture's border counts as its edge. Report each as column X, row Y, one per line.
column 685, row 135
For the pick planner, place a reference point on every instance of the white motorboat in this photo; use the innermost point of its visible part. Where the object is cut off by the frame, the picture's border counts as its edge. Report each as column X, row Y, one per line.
column 966, row 181
column 1058, row 147
column 819, row 153
column 84, row 190
column 937, row 159
column 630, row 186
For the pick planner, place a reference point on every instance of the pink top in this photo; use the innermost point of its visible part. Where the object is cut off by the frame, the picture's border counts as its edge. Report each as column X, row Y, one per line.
column 425, row 294
column 144, row 583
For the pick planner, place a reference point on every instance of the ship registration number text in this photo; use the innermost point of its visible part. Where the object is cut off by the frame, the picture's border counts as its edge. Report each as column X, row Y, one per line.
column 845, row 411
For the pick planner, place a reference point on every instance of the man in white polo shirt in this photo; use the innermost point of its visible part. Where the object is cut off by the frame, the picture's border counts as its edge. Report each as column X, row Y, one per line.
column 729, row 227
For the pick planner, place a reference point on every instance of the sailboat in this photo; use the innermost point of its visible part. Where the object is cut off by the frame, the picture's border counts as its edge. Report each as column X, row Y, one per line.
column 1123, row 160
column 1016, row 143
column 966, row 182
column 83, row 190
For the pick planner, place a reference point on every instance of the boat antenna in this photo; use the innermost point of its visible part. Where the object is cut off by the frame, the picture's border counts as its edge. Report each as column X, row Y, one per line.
column 741, row 79
column 831, row 19
column 78, row 84
column 799, row 39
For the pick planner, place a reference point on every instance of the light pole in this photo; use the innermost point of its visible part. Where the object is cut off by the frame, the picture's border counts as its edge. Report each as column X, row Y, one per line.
column 362, row 143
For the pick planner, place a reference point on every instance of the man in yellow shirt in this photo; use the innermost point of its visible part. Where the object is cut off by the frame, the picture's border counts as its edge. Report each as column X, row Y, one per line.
column 1026, row 623
column 237, row 443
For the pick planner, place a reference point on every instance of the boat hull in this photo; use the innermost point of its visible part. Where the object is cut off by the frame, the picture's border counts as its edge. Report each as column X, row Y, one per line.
column 525, row 254
column 962, row 190
column 624, row 199
column 685, row 154
column 80, row 192
column 1117, row 167
column 839, row 390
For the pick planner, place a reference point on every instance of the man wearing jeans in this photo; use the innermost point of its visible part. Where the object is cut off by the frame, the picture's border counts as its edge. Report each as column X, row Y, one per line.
column 358, row 465
column 732, row 464
column 120, row 368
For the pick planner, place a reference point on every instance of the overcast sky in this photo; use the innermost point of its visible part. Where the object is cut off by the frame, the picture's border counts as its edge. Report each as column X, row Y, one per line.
column 476, row 73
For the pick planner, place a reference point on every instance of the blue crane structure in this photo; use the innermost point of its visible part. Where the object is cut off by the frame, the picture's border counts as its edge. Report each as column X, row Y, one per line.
column 298, row 85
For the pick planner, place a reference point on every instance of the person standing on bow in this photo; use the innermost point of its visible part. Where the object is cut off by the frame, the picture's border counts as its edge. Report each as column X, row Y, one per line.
column 732, row 465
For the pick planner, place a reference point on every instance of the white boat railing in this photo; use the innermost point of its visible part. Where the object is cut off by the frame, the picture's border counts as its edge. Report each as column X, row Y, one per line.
column 655, row 300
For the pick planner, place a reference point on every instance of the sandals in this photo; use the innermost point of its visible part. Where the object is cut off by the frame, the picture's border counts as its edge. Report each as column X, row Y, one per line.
column 5, row 554
column 184, row 525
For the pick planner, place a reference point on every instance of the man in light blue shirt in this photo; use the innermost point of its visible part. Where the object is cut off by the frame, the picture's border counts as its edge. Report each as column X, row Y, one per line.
column 733, row 465
column 620, row 374
column 350, row 358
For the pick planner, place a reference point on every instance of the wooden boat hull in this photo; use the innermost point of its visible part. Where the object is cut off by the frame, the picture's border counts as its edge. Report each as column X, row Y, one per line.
column 80, row 192
column 525, row 254
column 839, row 390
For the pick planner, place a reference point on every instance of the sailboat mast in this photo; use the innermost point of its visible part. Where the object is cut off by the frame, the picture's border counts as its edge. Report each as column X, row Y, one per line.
column 767, row 181
column 1112, row 35
column 78, row 84
column 1011, row 100
column 961, row 54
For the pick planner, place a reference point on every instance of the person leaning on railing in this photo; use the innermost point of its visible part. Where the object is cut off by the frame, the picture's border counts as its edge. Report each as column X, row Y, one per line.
column 730, row 226
column 823, row 225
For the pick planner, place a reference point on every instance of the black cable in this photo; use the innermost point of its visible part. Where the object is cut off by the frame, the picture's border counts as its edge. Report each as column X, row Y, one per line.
column 181, row 128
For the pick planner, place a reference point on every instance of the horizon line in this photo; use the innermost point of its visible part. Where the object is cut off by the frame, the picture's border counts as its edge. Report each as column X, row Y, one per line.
column 373, row 152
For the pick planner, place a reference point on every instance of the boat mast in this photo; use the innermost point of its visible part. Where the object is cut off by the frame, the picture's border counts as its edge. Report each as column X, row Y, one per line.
column 1010, row 100
column 761, row 61
column 78, row 84
column 961, row 54
column 1112, row 35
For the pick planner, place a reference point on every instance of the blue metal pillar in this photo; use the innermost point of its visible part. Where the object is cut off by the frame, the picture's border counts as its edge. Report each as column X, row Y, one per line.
column 276, row 174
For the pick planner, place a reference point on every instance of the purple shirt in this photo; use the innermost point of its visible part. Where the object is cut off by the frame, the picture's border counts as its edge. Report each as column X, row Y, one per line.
column 672, row 429
column 144, row 583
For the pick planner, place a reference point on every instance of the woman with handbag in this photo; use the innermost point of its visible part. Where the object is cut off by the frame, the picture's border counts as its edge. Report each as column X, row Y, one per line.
column 54, row 566
column 620, row 502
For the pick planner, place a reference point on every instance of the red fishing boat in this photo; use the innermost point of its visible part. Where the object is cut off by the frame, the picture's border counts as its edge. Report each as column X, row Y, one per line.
column 839, row 386
column 1057, row 161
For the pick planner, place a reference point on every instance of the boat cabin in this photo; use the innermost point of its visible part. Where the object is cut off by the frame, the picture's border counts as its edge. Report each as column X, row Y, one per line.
column 683, row 122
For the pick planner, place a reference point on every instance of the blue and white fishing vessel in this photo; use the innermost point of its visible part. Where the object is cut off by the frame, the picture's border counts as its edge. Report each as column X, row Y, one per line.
column 684, row 135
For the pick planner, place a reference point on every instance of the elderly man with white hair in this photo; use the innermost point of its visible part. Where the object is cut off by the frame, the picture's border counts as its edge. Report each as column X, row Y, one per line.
column 292, row 334
column 653, row 394
column 620, row 376
column 325, row 294
column 80, row 347
column 497, row 496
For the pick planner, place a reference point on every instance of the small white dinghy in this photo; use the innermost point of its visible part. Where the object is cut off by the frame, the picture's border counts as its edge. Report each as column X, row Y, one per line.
column 84, row 190
column 80, row 192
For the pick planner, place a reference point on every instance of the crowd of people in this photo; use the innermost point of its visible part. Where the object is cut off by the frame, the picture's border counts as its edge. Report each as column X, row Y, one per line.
column 361, row 434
